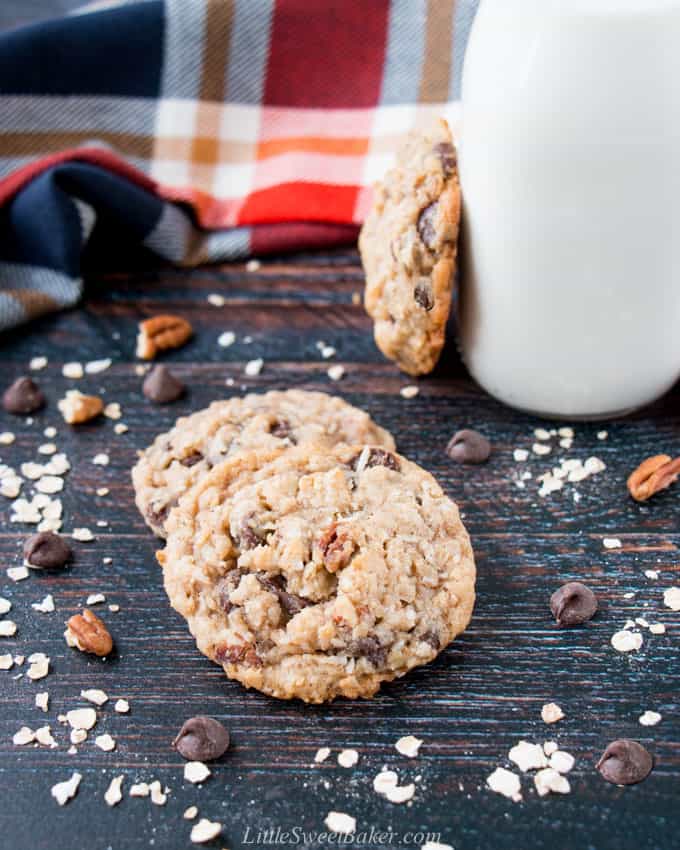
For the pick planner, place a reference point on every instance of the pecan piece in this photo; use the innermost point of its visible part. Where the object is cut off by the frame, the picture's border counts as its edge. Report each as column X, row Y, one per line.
column 87, row 633
column 335, row 548
column 77, row 408
column 654, row 474
column 160, row 333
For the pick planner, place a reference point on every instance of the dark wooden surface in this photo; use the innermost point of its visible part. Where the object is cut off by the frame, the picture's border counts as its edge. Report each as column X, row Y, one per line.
column 482, row 695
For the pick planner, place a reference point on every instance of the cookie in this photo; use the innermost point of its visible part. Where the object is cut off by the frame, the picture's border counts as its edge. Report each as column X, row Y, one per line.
column 315, row 573
column 178, row 458
column 409, row 245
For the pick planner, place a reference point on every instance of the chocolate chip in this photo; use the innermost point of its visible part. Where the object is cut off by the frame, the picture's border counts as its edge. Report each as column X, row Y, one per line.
column 369, row 648
column 47, row 550
column 161, row 386
column 426, row 228
column 226, row 586
column 290, row 602
column 249, row 535
column 157, row 516
column 192, row 459
column 201, row 739
column 23, row 396
column 283, row 430
column 468, row 447
column 377, row 457
column 625, row 762
column 423, row 296
column 432, row 638
column 447, row 156
column 573, row 604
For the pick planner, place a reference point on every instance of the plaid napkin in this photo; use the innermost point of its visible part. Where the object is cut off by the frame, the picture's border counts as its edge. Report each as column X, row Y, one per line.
column 207, row 130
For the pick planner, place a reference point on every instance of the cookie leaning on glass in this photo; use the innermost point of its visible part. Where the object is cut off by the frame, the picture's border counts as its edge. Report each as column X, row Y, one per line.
column 316, row 572
column 409, row 245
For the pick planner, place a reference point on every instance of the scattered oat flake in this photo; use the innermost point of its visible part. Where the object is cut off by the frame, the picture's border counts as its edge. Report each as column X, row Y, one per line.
column 224, row 340
column 671, row 598
column 528, row 756
column 140, row 789
column 65, row 791
column 520, row 455
column 113, row 794
column 254, row 367
column 47, row 449
column 408, row 746
column 196, row 771
column 562, row 761
column 253, row 265
column 551, row 713
column 205, row 830
column 98, row 697
column 40, row 666
column 105, row 742
column 72, row 370
column 348, row 758
column 101, row 459
column 548, row 780
column 46, row 606
column 541, row 449
column 436, row 845
column 122, row 706
column 82, row 534
column 541, row 434
column 95, row 599
column 216, row 299
column 611, row 543
column 112, row 410
column 649, row 718
column 410, row 391
column 6, row 661
column 602, row 435
column 190, row 813
column 81, row 718
column 44, row 736
column 505, row 782
column 5, row 605
column 120, row 428
column 7, row 438
column 37, row 363
column 652, row 574
column 335, row 373
column 626, row 641
column 103, row 491
column 322, row 754
column 657, row 628
column 49, row 484
column 8, row 628
column 158, row 798
column 94, row 367
column 42, row 700
column 340, row 822
column 23, row 737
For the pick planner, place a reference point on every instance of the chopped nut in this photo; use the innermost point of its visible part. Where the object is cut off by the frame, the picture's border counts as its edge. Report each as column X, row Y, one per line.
column 88, row 633
column 653, row 475
column 77, row 408
column 42, row 700
column 254, row 367
column 335, row 373
column 8, row 628
column 161, row 333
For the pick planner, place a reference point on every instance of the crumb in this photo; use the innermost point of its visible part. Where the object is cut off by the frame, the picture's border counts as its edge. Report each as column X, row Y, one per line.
column 196, row 771
column 528, row 756
column 408, row 746
column 226, row 339
column 611, row 543
column 254, row 367
column 335, row 373
column 340, row 822
column 72, row 370
column 551, row 713
column 113, row 794
column 65, row 791
column 505, row 782
column 348, row 758
column 321, row 755
column 626, row 641
column 410, row 391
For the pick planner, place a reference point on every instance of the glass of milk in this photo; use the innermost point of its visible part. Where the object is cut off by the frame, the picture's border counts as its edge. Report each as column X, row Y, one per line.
column 570, row 170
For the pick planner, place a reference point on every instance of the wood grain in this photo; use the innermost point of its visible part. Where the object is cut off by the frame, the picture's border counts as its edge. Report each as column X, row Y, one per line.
column 477, row 700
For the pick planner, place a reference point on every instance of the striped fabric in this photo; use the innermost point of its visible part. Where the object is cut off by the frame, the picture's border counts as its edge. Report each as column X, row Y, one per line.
column 207, row 129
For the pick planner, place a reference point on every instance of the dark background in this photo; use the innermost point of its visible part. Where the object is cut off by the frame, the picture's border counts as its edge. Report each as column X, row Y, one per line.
column 476, row 701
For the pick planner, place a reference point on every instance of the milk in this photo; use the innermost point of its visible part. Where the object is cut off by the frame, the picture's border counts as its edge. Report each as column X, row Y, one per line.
column 570, row 170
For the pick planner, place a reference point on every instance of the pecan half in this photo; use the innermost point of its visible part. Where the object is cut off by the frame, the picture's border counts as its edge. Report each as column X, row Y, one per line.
column 160, row 333
column 77, row 408
column 654, row 474
column 335, row 548
column 87, row 633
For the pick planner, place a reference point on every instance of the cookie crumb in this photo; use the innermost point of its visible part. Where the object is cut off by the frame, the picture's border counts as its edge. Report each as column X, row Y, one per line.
column 410, row 391
column 105, row 742
column 626, row 641
column 649, row 718
column 551, row 713
column 322, row 754
column 226, row 339
column 408, row 746
column 340, row 822
column 122, row 706
column 611, row 543
column 549, row 780
column 528, row 756
column 190, row 813
column 113, row 794
column 505, row 782
column 671, row 598
column 72, row 370
column 205, row 830
column 196, row 772
column 65, row 791
column 336, row 372
column 348, row 758
column 81, row 718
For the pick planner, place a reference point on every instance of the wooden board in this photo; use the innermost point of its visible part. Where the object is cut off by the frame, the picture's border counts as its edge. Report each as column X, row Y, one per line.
column 477, row 700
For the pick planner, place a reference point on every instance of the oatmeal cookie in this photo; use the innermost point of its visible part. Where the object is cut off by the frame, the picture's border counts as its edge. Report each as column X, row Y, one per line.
column 315, row 573
column 178, row 458
column 408, row 247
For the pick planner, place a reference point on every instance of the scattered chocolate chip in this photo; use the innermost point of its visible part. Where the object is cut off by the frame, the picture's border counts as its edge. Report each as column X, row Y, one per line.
column 161, row 386
column 468, row 447
column 192, row 459
column 625, row 762
column 369, row 648
column 573, row 604
column 426, row 229
column 423, row 296
column 201, row 739
column 283, row 430
column 447, row 156
column 377, row 457
column 47, row 550
column 23, row 396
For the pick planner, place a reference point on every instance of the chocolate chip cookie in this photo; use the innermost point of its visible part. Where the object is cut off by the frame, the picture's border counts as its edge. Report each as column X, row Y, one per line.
column 177, row 459
column 408, row 247
column 313, row 573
